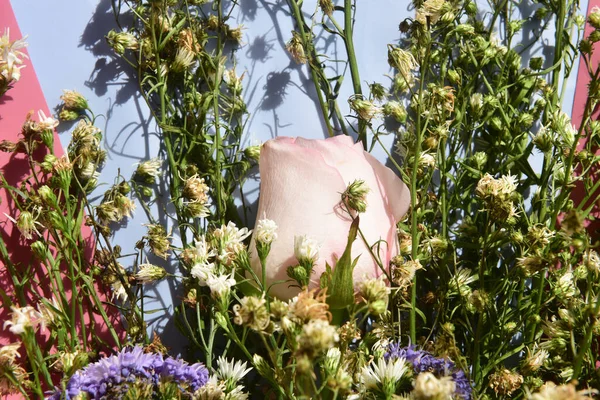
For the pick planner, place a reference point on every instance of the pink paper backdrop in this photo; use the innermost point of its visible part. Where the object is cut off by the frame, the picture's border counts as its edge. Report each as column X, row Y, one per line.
column 24, row 97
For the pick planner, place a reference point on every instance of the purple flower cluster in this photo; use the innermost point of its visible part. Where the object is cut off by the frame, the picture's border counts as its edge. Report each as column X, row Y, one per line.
column 129, row 366
column 423, row 361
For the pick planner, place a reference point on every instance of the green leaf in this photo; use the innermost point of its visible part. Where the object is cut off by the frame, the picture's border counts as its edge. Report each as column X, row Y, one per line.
column 341, row 291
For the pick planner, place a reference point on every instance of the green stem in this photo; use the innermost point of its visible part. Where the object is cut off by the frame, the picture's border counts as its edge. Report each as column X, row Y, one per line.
column 349, row 42
column 313, row 63
column 413, row 198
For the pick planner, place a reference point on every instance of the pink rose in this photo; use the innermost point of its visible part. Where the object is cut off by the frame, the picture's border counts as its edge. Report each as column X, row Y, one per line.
column 301, row 185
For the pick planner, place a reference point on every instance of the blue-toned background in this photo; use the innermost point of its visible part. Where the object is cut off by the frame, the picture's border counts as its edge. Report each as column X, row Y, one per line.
column 68, row 51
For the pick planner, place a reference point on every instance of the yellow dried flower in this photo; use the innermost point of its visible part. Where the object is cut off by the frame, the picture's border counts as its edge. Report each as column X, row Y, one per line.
column 187, row 40
column 404, row 272
column 296, row 48
column 365, row 109
column 158, row 240
column 550, row 391
column 310, row 305
column 402, row 60
column 505, row 382
column 252, row 313
column 430, row 9
column 74, row 100
column 375, row 294
column 429, row 387
column 316, row 337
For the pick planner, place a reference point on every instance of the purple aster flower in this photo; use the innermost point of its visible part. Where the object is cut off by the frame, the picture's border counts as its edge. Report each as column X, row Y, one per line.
column 195, row 376
column 423, row 361
column 113, row 375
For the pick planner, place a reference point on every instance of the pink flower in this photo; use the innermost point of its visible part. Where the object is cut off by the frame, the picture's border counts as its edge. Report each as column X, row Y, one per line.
column 301, row 185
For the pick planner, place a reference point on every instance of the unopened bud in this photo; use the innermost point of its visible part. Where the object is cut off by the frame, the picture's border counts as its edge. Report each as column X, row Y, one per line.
column 355, row 196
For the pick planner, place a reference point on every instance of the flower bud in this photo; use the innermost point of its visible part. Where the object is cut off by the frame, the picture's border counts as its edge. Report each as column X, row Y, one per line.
column 454, row 77
column 355, row 196
column 465, row 29
column 148, row 273
column 265, row 232
column 378, row 92
column 326, row 6
column 306, row 250
column 594, row 17
column 375, row 293
column 122, row 41
column 158, row 240
column 40, row 251
column 395, row 110
column 68, row 115
column 261, row 365
column 296, row 48
column 253, row 152
column 401, row 60
column 476, row 102
column 365, row 109
column 74, row 101
column 47, row 195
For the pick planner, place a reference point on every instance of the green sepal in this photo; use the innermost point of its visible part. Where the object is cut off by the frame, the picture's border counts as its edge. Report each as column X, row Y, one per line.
column 341, row 291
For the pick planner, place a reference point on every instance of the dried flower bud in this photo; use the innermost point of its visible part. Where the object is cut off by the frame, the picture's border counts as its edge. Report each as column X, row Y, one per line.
column 429, row 387
column 326, row 6
column 395, row 110
column 404, row 272
column 122, row 41
column 401, row 60
column 147, row 171
column 316, row 337
column 355, row 196
column 74, row 100
column 252, row 313
column 158, row 240
column 375, row 294
column 188, row 41
column 480, row 300
column 365, row 109
column 184, row 59
column 195, row 190
column 378, row 92
column 594, row 17
column 476, row 103
column 505, row 382
column 148, row 273
column 234, row 34
column 296, row 48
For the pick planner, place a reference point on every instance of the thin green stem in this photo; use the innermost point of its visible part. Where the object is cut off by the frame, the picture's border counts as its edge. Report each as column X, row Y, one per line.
column 313, row 63
column 351, row 53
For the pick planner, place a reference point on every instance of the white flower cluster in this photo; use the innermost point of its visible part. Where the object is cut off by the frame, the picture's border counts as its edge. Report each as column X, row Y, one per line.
column 266, row 231
column 225, row 384
column 306, row 249
column 211, row 260
column 11, row 59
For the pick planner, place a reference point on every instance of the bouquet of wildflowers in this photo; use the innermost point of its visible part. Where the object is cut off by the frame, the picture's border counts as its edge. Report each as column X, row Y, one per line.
column 465, row 271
